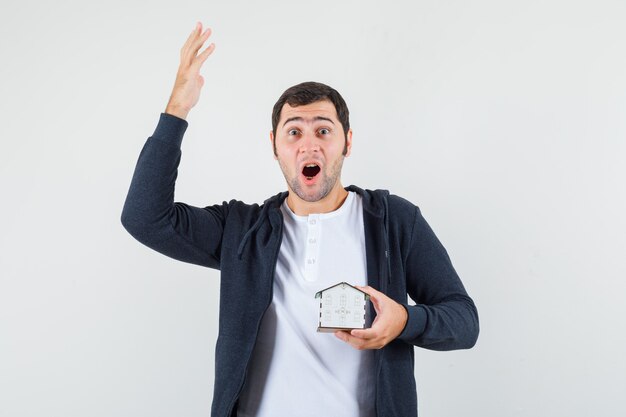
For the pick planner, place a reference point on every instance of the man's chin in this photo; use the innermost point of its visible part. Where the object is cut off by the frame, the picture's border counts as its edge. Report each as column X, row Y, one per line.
column 311, row 194
column 310, row 197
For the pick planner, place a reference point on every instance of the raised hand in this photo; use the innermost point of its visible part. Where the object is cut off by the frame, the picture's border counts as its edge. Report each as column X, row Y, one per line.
column 189, row 82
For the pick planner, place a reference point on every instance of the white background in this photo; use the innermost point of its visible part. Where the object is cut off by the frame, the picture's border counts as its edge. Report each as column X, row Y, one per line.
column 503, row 120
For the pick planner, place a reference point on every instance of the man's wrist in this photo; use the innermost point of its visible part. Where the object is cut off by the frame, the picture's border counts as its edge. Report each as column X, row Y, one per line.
column 177, row 111
column 406, row 319
column 415, row 324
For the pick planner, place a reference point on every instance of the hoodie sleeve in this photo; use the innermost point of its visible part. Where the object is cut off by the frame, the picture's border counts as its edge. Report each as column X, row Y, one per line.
column 445, row 317
column 178, row 230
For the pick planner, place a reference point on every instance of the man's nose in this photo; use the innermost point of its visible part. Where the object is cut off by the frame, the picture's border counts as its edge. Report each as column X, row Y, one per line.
column 309, row 142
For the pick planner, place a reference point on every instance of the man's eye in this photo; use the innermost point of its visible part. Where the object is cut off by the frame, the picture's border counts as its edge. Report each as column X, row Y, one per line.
column 292, row 132
column 324, row 131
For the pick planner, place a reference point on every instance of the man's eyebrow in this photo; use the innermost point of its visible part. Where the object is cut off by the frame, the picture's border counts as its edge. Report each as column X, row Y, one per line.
column 299, row 119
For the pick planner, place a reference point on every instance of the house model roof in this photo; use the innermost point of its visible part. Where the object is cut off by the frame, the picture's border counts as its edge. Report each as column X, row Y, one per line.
column 319, row 293
column 342, row 307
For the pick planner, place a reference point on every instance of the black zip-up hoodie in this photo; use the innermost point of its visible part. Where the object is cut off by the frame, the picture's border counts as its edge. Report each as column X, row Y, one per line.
column 242, row 240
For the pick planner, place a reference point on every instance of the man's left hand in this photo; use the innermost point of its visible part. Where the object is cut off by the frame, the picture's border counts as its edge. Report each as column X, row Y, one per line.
column 390, row 320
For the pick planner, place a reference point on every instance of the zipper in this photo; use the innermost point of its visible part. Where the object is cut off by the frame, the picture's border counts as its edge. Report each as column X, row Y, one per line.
column 271, row 296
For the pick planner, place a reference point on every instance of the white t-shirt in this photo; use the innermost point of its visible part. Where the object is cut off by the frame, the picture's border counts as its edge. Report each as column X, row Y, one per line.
column 294, row 370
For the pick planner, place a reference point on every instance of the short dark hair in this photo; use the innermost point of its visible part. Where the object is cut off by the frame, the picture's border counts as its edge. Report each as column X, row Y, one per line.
column 310, row 92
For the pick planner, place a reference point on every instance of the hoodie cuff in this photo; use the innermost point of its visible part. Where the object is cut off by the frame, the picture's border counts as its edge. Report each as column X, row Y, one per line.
column 415, row 323
column 170, row 129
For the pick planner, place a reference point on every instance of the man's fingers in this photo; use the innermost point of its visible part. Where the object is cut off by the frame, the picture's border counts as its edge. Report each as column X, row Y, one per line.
column 357, row 342
column 192, row 36
column 204, row 55
column 375, row 297
column 364, row 333
column 196, row 43
column 194, row 32
column 201, row 39
column 190, row 50
column 373, row 293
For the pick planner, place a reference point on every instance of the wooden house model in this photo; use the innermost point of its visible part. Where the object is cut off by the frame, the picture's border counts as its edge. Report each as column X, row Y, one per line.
column 342, row 307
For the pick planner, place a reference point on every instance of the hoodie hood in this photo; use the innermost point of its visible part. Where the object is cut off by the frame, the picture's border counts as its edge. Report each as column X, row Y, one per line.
column 274, row 203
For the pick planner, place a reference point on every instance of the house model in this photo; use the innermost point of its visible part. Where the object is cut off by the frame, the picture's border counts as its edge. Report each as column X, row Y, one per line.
column 342, row 307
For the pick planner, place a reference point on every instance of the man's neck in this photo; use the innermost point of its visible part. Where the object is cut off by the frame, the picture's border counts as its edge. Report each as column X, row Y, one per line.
column 331, row 202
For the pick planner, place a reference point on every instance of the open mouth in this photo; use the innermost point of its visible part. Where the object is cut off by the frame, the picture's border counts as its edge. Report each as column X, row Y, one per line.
column 310, row 170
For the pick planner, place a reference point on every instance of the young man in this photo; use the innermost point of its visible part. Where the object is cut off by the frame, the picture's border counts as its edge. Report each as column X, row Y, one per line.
column 273, row 258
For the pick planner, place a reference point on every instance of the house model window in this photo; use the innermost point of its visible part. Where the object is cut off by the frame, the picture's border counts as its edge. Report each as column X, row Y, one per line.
column 342, row 307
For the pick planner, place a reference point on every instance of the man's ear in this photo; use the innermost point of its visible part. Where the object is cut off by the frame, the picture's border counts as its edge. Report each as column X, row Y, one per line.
column 272, row 142
column 349, row 142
